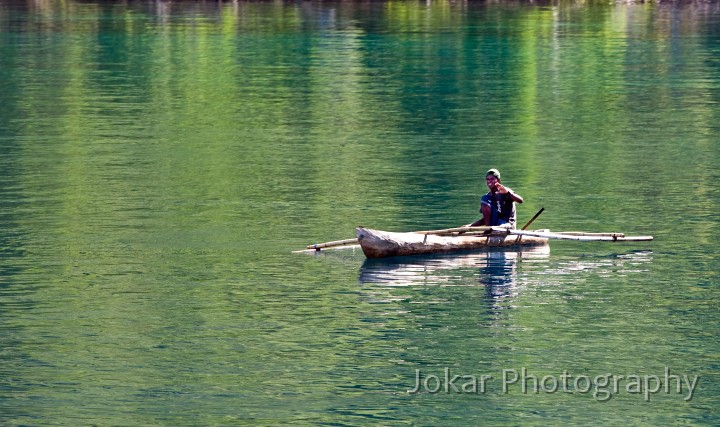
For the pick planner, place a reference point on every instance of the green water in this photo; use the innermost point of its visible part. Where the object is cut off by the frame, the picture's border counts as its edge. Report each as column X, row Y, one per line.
column 160, row 161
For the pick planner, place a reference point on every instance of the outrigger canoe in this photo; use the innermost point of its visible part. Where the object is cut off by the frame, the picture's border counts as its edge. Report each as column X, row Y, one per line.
column 380, row 244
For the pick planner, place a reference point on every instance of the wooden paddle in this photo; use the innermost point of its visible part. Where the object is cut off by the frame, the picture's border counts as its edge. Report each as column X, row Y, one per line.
column 533, row 219
column 530, row 222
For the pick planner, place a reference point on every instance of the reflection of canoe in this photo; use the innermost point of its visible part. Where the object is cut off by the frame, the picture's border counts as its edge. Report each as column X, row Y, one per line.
column 471, row 268
column 380, row 244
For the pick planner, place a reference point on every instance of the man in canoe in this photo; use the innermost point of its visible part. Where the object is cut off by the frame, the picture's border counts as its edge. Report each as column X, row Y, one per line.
column 498, row 205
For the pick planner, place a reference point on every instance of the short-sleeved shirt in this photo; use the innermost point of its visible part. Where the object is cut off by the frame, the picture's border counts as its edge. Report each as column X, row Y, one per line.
column 502, row 208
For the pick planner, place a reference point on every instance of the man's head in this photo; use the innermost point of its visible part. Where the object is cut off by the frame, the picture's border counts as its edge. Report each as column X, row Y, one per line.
column 492, row 178
column 493, row 172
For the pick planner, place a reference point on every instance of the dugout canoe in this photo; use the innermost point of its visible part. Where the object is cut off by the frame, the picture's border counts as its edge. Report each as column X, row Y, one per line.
column 381, row 244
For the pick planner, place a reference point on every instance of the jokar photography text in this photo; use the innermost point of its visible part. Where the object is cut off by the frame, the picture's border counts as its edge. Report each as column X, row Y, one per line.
column 602, row 386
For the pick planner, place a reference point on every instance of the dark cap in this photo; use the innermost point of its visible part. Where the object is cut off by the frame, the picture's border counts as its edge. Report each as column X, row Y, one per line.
column 493, row 172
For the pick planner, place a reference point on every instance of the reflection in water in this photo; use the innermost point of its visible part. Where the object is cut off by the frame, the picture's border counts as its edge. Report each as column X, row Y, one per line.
column 495, row 270
column 502, row 273
column 493, row 267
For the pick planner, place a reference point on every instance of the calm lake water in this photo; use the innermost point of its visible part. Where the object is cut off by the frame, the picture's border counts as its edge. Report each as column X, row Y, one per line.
column 160, row 161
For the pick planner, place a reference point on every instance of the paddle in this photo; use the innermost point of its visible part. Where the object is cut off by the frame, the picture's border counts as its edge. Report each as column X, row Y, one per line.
column 530, row 222
column 533, row 218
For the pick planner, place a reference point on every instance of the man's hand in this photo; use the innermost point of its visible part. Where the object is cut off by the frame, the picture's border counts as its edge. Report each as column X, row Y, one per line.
column 501, row 188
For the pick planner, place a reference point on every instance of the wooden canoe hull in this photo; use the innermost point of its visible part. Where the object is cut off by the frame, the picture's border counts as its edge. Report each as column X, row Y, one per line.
column 381, row 244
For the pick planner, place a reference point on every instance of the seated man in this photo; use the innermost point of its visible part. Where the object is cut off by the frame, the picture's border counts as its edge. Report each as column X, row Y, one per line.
column 498, row 205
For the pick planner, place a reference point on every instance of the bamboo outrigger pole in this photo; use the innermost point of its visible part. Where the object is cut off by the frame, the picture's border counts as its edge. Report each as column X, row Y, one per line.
column 442, row 232
column 597, row 237
column 333, row 243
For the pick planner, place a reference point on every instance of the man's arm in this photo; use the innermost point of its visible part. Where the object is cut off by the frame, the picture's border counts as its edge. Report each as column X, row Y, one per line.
column 514, row 196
